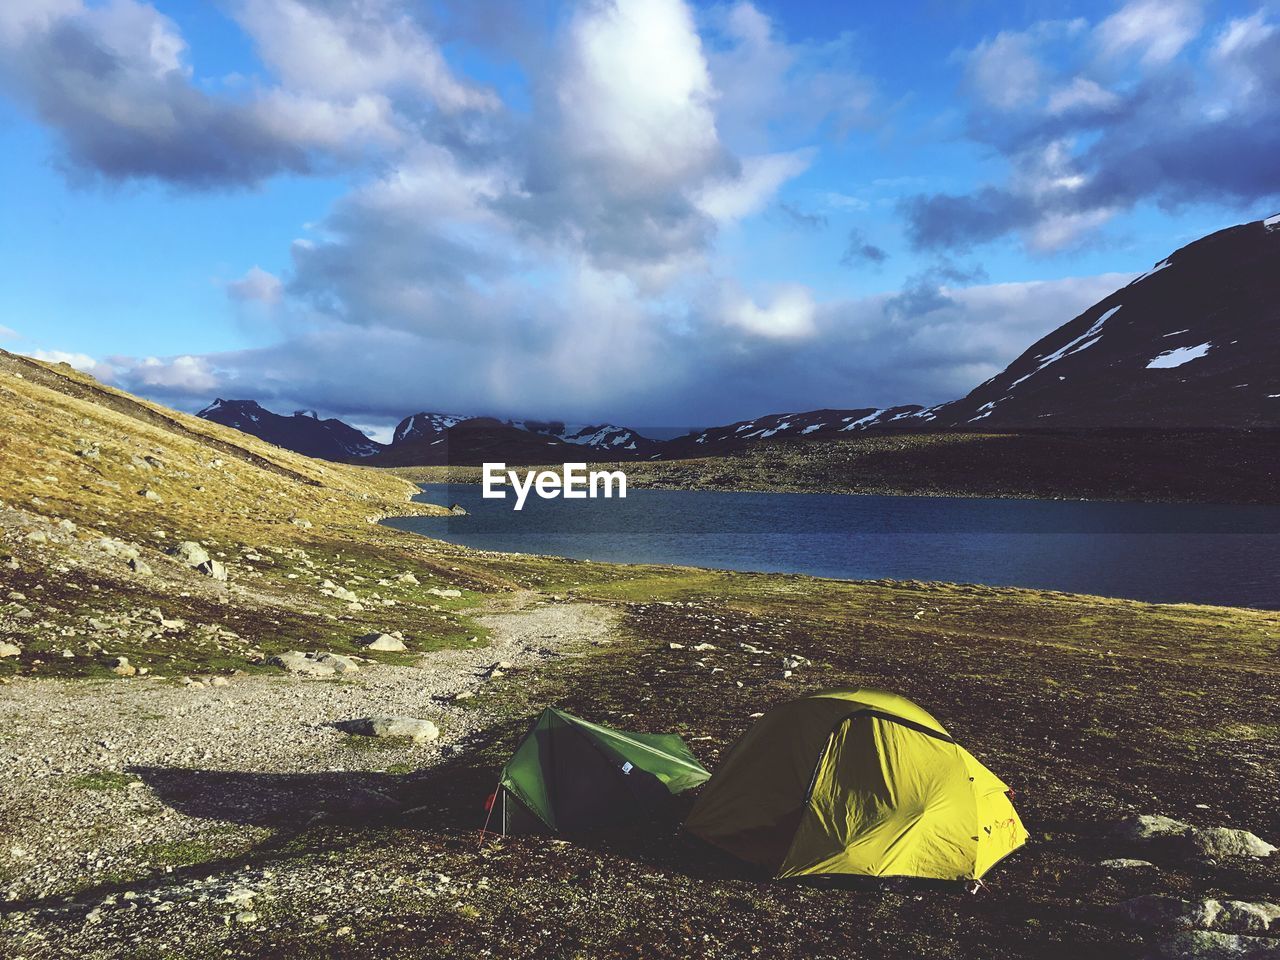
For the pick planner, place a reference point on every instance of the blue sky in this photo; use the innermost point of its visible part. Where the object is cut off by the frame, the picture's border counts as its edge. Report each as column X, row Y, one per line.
column 651, row 212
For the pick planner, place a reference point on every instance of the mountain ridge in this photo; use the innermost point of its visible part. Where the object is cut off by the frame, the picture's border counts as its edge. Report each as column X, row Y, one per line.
column 1189, row 344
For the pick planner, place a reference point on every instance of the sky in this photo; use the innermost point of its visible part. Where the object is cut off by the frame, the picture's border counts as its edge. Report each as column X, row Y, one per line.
column 649, row 212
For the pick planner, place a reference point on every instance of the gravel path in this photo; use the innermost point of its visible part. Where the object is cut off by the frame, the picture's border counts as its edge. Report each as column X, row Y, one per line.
column 96, row 775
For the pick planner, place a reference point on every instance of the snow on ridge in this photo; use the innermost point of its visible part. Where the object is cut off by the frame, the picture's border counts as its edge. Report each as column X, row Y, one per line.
column 812, row 427
column 1272, row 223
column 1176, row 332
column 1154, row 270
column 1082, row 342
column 870, row 417
column 1178, row 356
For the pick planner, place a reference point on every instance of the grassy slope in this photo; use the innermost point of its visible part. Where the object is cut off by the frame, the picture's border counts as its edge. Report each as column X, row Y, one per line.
column 235, row 494
column 1090, row 708
column 1206, row 467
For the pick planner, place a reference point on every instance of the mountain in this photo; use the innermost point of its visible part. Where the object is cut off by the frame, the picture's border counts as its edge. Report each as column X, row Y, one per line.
column 423, row 427
column 302, row 433
column 814, row 424
column 619, row 442
column 1192, row 343
column 470, row 442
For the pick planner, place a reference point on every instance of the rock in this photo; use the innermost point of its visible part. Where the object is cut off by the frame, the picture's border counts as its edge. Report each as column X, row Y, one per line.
column 148, row 494
column 1182, row 838
column 1124, row 863
column 1242, row 916
column 342, row 593
column 420, row 731
column 465, row 695
column 703, row 647
column 339, row 663
column 458, row 510
column 1159, row 912
column 299, row 522
column 219, row 682
column 302, row 664
column 1208, row 945
column 1222, row 842
column 675, row 646
column 140, row 566
column 212, row 568
column 407, row 578
column 190, row 553
column 382, row 642
column 37, row 536
column 436, row 591
column 8, row 649
column 121, row 667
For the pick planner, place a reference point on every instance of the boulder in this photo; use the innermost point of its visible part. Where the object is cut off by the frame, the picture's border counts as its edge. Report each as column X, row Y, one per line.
column 458, row 510
column 140, row 566
column 342, row 593
column 1182, row 838
column 212, row 568
column 1158, row 912
column 419, row 731
column 339, row 663
column 1208, row 945
column 190, row 553
column 148, row 494
column 408, row 578
column 382, row 642
column 8, row 649
column 448, row 592
column 302, row 664
column 121, row 667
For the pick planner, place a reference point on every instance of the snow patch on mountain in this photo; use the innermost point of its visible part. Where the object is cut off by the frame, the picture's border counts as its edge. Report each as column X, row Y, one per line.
column 1178, row 356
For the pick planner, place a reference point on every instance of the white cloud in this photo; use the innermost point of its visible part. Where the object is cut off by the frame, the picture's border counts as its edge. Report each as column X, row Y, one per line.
column 7, row 333
column 257, row 285
column 635, row 95
column 788, row 315
column 750, row 192
column 81, row 361
column 1156, row 30
column 166, row 376
column 1005, row 70
column 344, row 53
column 1081, row 94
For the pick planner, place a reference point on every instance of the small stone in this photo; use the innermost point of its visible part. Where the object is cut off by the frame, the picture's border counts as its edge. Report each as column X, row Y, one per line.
column 148, row 494
column 213, row 568
column 438, row 592
column 123, row 668
column 339, row 663
column 8, row 649
column 1121, row 863
column 246, row 916
column 381, row 642
column 140, row 566
column 220, row 682
column 407, row 578
column 675, row 646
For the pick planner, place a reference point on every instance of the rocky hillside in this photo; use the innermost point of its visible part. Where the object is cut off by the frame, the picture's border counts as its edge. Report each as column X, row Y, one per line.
column 303, row 433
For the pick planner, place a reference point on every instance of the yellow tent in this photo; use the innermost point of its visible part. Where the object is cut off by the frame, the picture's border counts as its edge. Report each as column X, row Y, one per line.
column 857, row 782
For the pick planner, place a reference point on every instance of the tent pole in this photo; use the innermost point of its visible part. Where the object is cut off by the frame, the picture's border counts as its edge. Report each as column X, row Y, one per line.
column 489, row 815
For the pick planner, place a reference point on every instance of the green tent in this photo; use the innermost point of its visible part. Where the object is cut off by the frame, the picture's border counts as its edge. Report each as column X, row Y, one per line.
column 569, row 775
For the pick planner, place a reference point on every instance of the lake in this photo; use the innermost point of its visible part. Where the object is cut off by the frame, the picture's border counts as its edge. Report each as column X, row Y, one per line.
column 1168, row 553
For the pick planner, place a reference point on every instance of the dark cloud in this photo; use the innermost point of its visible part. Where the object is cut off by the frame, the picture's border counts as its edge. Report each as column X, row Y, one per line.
column 922, row 293
column 124, row 117
column 1201, row 127
column 802, row 219
column 857, row 250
